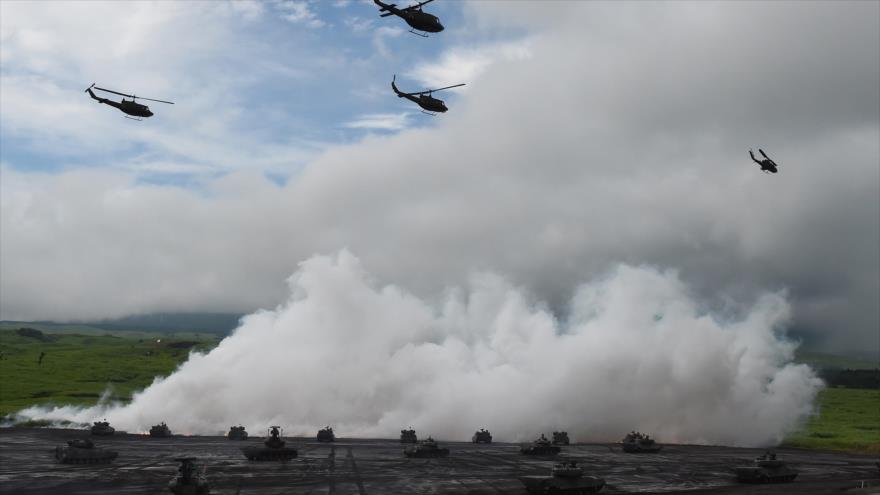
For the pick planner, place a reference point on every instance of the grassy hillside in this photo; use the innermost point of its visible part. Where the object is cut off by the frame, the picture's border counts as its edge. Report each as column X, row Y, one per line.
column 77, row 367
column 847, row 419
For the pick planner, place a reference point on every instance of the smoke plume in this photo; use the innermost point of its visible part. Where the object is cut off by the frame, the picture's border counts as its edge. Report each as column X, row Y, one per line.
column 635, row 351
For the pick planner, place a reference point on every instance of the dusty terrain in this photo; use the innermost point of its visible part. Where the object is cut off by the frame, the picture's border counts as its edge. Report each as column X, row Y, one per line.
column 356, row 466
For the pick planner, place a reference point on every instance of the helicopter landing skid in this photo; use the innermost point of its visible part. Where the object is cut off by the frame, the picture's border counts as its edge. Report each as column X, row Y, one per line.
column 423, row 35
column 432, row 114
column 132, row 118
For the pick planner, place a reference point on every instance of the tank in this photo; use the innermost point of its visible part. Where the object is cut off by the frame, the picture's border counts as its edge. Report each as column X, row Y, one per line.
column 188, row 481
column 637, row 443
column 83, row 452
column 160, row 431
column 408, row 436
column 426, row 448
column 767, row 469
column 565, row 478
column 102, row 428
column 273, row 448
column 560, row 438
column 541, row 446
column 326, row 435
column 482, row 436
column 237, row 433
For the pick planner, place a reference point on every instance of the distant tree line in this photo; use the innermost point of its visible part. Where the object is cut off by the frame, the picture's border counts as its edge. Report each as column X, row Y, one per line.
column 851, row 378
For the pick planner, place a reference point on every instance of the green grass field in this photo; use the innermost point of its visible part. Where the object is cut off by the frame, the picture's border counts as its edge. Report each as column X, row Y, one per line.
column 848, row 419
column 77, row 368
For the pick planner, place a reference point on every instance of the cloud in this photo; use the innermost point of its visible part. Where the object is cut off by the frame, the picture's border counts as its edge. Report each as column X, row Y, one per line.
column 486, row 355
column 467, row 63
column 382, row 121
column 623, row 143
column 299, row 12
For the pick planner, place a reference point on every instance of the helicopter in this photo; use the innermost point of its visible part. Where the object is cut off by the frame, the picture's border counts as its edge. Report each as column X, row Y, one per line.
column 424, row 98
column 414, row 16
column 767, row 165
column 129, row 107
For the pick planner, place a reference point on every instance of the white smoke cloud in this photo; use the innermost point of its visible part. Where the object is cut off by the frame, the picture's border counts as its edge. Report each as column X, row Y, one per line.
column 636, row 351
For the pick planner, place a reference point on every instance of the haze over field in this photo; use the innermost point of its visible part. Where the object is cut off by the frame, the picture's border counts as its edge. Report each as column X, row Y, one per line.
column 597, row 158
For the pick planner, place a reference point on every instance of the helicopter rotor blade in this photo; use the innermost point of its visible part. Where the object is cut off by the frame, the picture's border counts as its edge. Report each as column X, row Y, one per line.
column 441, row 89
column 114, row 92
column 418, row 5
column 151, row 99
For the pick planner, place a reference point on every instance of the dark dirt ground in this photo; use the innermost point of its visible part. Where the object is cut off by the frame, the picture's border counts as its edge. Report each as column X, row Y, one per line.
column 378, row 467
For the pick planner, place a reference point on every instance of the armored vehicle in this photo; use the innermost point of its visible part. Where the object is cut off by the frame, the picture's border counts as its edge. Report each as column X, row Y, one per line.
column 560, row 438
column 160, row 431
column 566, row 478
column 482, row 436
column 767, row 469
column 408, row 436
column 541, row 446
column 188, row 481
column 237, row 433
column 326, row 435
column 637, row 443
column 273, row 449
column 426, row 448
column 83, row 452
column 102, row 428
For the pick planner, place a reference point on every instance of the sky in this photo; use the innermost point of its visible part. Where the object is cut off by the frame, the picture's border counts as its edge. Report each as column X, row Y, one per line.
column 589, row 135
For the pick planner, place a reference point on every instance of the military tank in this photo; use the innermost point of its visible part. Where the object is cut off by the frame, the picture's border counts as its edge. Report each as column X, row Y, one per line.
column 160, row 431
column 560, row 438
column 408, row 436
column 541, row 446
column 188, row 481
column 637, row 443
column 767, row 469
column 83, row 451
column 565, row 478
column 326, row 435
column 273, row 449
column 102, row 428
column 426, row 448
column 482, row 436
column 237, row 433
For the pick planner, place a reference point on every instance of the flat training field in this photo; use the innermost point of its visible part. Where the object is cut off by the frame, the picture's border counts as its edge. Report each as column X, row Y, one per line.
column 355, row 466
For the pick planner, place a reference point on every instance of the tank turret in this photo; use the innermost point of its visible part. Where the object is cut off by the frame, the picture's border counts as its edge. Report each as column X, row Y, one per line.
column 160, row 431
column 408, row 436
column 565, row 478
column 273, row 449
column 326, row 435
column 638, row 443
column 188, row 481
column 541, row 446
column 83, row 451
column 482, row 436
column 426, row 448
column 237, row 433
column 560, row 438
column 766, row 469
column 102, row 428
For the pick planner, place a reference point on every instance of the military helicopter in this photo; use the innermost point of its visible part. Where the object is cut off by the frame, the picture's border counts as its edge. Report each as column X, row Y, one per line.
column 767, row 165
column 414, row 16
column 129, row 107
column 424, row 98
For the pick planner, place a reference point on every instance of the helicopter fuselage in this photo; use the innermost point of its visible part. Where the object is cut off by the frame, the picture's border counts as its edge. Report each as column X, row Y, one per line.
column 127, row 106
column 769, row 166
column 415, row 17
column 422, row 21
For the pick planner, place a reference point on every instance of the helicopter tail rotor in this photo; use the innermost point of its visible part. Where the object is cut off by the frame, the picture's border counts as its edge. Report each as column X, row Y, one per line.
column 90, row 87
